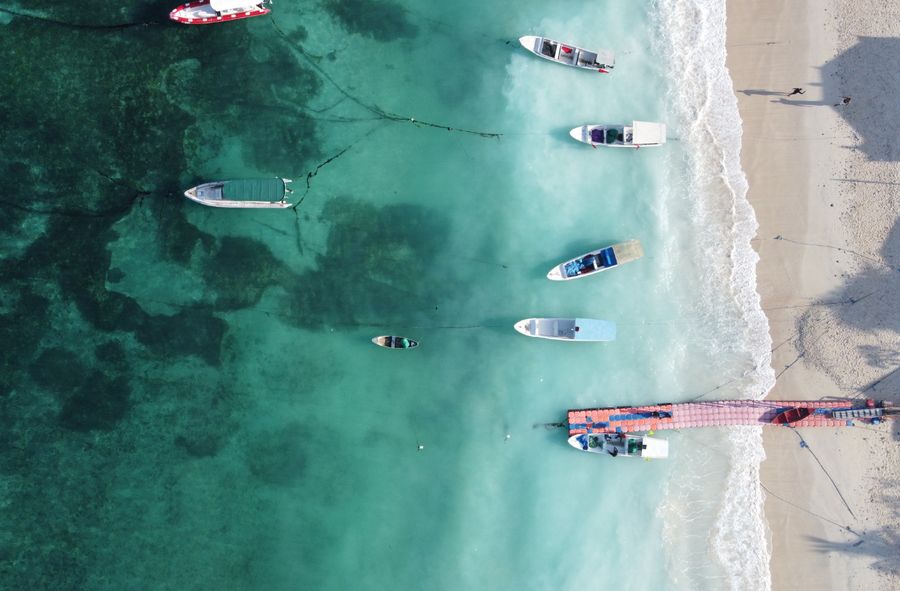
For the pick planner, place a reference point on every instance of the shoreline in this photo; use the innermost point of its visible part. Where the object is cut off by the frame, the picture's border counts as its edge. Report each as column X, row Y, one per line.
column 824, row 244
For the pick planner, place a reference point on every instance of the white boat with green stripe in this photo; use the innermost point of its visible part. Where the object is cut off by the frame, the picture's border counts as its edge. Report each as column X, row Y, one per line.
column 243, row 194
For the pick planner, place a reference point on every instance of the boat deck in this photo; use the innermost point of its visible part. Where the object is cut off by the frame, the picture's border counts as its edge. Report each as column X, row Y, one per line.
column 659, row 417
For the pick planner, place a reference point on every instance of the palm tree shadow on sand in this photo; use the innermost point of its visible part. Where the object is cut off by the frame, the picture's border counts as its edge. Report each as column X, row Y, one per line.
column 872, row 114
column 879, row 545
column 866, row 303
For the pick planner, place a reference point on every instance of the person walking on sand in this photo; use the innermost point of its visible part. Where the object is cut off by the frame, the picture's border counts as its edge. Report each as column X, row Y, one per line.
column 796, row 91
column 845, row 100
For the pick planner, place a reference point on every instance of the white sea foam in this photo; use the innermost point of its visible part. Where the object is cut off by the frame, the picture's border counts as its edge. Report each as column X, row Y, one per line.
column 704, row 115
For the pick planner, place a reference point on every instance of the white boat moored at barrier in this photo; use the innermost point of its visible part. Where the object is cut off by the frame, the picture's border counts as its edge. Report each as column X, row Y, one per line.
column 621, row 444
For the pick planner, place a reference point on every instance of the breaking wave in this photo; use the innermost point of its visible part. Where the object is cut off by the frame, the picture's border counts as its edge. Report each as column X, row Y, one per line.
column 691, row 36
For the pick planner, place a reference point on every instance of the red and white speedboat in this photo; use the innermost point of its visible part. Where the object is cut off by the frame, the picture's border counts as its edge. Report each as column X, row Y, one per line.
column 208, row 12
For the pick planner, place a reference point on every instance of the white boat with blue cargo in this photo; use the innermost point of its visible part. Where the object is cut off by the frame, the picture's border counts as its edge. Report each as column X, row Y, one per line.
column 243, row 194
column 596, row 261
column 569, row 55
column 567, row 329
column 640, row 134
column 621, row 444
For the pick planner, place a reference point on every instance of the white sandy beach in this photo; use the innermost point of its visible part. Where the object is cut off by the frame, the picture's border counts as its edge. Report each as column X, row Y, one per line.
column 825, row 184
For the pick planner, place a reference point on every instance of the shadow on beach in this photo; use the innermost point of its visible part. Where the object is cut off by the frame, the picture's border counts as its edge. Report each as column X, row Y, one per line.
column 879, row 545
column 761, row 92
column 858, row 323
column 852, row 332
column 800, row 103
column 873, row 111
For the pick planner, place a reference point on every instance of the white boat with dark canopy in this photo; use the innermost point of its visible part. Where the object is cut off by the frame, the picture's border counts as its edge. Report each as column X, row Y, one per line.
column 621, row 444
column 640, row 134
column 567, row 329
column 243, row 194
column 569, row 55
column 392, row 342
column 210, row 12
column 596, row 261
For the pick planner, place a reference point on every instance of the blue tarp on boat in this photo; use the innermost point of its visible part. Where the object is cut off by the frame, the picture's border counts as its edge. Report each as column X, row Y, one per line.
column 608, row 257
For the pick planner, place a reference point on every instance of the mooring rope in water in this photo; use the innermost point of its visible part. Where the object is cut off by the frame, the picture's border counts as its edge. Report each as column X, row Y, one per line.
column 114, row 27
column 324, row 325
column 312, row 174
column 374, row 109
column 550, row 426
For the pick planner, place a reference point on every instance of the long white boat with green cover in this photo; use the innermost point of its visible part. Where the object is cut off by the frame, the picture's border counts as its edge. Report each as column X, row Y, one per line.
column 567, row 329
column 640, row 134
column 621, row 444
column 243, row 194
column 595, row 261
column 569, row 55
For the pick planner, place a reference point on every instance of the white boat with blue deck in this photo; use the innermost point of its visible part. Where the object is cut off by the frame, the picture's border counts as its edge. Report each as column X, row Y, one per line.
column 567, row 329
column 596, row 261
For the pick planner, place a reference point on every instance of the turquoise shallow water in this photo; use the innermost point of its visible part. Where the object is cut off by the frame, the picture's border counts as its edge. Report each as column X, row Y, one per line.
column 192, row 398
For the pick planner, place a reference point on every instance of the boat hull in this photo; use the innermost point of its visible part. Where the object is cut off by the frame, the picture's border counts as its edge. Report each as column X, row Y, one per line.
column 621, row 444
column 619, row 254
column 567, row 329
column 201, row 13
column 792, row 415
column 569, row 55
column 583, row 134
column 393, row 342
column 215, row 195
column 624, row 131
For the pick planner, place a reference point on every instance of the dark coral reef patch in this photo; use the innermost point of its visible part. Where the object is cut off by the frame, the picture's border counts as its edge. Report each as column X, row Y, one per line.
column 240, row 270
column 59, row 370
column 99, row 403
column 378, row 19
column 377, row 261
column 21, row 330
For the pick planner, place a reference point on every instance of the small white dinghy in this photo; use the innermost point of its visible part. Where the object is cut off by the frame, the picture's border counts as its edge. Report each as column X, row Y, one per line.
column 392, row 342
column 596, row 261
column 243, row 194
column 567, row 329
column 569, row 55
column 640, row 134
column 621, row 444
